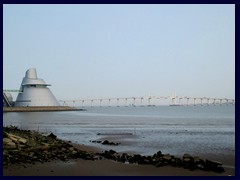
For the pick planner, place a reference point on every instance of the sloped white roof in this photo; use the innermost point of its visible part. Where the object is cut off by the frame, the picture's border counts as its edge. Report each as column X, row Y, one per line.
column 31, row 78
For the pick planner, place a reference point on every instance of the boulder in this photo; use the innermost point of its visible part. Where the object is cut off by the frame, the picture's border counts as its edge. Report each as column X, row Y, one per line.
column 214, row 166
column 22, row 140
column 17, row 138
column 159, row 164
column 143, row 160
column 10, row 145
column 199, row 163
column 178, row 162
column 112, row 151
column 31, row 154
column 187, row 156
column 45, row 144
column 71, row 149
column 20, row 146
column 13, row 138
column 167, row 158
column 188, row 162
column 52, row 136
column 159, row 154
column 105, row 142
column 123, row 157
column 135, row 159
column 6, row 140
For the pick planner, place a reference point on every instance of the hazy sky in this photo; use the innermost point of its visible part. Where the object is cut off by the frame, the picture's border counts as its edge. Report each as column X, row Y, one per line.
column 102, row 51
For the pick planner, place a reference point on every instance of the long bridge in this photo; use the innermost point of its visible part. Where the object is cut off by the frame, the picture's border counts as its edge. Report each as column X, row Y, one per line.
column 140, row 101
column 148, row 101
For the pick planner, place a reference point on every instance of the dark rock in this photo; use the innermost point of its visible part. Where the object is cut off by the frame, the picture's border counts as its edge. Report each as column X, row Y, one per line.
column 187, row 156
column 213, row 166
column 159, row 164
column 123, row 158
column 219, row 170
column 135, row 159
column 188, row 162
column 52, row 136
column 105, row 142
column 45, row 148
column 112, row 151
column 178, row 162
column 159, row 154
column 199, row 163
column 167, row 159
column 109, row 155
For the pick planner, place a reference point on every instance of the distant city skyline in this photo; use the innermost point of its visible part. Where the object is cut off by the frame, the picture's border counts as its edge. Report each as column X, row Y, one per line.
column 110, row 51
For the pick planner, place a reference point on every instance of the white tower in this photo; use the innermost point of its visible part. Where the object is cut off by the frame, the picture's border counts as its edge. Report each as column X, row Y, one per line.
column 35, row 91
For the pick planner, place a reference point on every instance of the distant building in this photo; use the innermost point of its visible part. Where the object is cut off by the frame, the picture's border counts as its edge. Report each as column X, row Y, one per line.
column 34, row 91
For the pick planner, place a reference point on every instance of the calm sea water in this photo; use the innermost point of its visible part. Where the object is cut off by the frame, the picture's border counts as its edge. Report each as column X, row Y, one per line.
column 172, row 129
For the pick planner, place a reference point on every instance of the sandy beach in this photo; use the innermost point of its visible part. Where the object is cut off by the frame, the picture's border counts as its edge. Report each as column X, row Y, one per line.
column 80, row 167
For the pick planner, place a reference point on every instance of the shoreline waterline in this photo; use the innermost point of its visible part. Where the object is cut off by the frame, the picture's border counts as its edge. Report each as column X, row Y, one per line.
column 143, row 130
column 40, row 109
column 91, row 165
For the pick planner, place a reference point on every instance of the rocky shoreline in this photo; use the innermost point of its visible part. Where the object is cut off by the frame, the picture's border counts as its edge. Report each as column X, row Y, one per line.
column 24, row 146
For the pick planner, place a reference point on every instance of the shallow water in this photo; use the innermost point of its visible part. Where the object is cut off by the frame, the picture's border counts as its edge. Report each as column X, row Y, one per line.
column 145, row 130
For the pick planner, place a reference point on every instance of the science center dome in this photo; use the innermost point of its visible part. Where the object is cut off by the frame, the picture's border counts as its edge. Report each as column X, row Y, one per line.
column 34, row 91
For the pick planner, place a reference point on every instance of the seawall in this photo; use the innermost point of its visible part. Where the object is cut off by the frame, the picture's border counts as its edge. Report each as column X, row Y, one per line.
column 40, row 109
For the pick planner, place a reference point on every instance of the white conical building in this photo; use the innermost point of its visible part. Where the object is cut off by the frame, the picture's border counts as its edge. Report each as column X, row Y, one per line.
column 34, row 91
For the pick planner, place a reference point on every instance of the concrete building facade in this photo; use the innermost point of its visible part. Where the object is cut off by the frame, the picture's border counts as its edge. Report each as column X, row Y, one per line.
column 35, row 92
